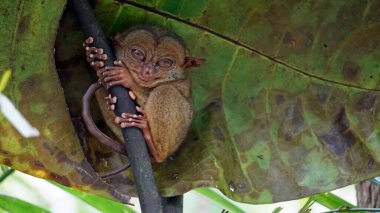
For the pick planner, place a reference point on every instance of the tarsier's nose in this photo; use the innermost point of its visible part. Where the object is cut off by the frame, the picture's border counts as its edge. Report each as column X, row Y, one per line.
column 148, row 68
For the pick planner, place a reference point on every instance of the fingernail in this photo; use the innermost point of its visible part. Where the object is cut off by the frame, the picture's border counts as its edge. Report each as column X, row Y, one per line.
column 91, row 56
column 112, row 107
column 114, row 99
column 124, row 115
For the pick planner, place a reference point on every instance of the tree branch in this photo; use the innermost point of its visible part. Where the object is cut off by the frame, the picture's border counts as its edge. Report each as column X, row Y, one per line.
column 134, row 141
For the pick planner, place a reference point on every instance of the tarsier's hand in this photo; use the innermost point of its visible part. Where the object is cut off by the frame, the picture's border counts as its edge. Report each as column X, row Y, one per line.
column 94, row 55
column 108, row 76
column 115, row 75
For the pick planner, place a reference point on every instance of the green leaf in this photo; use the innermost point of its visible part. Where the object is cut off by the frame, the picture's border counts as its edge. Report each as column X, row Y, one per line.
column 212, row 195
column 103, row 205
column 358, row 210
column 6, row 174
column 4, row 79
column 16, row 205
column 306, row 208
column 28, row 34
column 331, row 201
column 277, row 210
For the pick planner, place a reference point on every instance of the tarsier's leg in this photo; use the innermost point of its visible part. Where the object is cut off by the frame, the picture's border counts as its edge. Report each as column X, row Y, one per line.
column 164, row 121
column 169, row 117
column 141, row 122
column 133, row 120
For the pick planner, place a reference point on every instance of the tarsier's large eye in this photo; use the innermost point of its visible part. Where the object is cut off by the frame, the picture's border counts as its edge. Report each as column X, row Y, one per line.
column 138, row 54
column 165, row 63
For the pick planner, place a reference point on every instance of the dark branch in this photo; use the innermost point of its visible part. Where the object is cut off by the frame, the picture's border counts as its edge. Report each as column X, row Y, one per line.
column 135, row 144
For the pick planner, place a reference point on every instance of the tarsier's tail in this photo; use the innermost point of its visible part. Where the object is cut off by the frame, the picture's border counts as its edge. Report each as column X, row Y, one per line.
column 95, row 131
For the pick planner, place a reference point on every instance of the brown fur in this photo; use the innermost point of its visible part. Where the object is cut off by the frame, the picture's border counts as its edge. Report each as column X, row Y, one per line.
column 167, row 98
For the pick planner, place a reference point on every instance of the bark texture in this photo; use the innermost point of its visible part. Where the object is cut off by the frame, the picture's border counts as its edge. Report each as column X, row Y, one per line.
column 368, row 194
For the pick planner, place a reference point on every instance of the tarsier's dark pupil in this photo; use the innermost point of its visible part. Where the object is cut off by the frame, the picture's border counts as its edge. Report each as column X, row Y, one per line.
column 138, row 54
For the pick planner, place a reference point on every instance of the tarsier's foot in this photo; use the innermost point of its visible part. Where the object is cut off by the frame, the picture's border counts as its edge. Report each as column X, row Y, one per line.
column 111, row 101
column 94, row 55
column 130, row 120
column 133, row 120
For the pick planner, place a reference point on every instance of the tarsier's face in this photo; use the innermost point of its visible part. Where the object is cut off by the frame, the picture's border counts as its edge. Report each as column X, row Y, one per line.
column 152, row 59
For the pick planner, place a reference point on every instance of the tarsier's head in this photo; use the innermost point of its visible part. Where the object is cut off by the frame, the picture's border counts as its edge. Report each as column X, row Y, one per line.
column 154, row 55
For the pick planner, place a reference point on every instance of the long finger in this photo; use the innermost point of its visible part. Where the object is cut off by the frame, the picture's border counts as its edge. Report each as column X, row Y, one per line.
column 140, row 110
column 112, row 79
column 113, row 83
column 88, row 41
column 93, row 50
column 111, row 72
column 120, row 120
column 134, row 116
column 111, row 99
column 133, row 124
column 132, row 95
column 119, row 63
column 97, row 64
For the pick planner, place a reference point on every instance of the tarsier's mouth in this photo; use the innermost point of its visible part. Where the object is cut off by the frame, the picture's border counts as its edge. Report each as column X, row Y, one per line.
column 143, row 77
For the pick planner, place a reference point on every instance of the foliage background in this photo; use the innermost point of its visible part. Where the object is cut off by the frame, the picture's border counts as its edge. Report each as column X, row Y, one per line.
column 284, row 81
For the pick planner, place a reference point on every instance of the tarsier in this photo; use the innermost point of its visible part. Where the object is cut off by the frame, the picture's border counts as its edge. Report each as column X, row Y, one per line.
column 153, row 63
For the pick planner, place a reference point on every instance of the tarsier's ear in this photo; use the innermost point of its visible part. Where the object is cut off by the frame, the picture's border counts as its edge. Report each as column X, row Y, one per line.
column 117, row 40
column 192, row 62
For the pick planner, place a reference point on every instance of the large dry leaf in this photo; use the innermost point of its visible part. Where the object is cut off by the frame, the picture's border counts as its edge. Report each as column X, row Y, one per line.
column 287, row 103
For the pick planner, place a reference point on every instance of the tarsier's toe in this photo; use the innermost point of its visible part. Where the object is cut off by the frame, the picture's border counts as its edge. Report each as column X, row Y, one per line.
column 131, row 120
column 97, row 64
column 132, row 95
column 89, row 40
column 119, row 63
column 111, row 101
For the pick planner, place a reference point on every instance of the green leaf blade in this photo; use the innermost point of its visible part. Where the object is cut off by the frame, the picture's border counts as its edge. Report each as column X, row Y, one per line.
column 16, row 205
